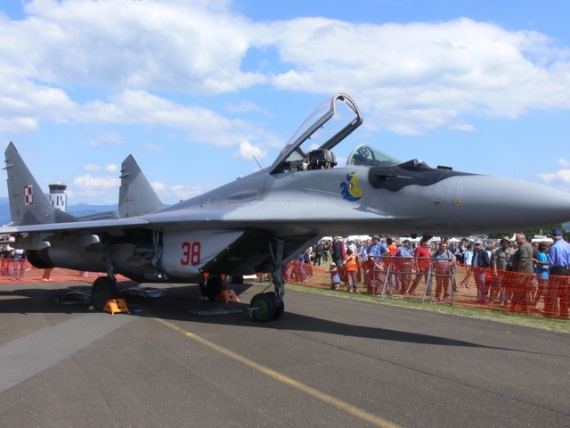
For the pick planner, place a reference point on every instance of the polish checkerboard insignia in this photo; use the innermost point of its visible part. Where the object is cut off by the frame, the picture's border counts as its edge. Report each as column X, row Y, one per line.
column 28, row 195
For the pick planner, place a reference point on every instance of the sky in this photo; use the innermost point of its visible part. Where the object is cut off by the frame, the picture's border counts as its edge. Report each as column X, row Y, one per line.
column 201, row 91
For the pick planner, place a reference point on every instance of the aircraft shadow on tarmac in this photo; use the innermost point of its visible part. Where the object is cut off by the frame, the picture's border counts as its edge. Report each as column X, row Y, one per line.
column 182, row 304
column 175, row 306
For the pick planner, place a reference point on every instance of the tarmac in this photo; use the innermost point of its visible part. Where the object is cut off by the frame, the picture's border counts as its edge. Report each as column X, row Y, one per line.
column 327, row 362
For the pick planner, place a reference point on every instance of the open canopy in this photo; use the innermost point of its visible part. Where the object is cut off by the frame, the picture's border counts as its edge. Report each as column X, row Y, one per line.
column 323, row 129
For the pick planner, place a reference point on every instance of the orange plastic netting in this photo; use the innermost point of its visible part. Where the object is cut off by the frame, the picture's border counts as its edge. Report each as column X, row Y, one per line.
column 12, row 270
column 506, row 291
column 483, row 288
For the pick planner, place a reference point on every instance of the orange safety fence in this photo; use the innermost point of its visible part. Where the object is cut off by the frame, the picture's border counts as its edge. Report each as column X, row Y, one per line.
column 462, row 285
column 506, row 291
column 12, row 270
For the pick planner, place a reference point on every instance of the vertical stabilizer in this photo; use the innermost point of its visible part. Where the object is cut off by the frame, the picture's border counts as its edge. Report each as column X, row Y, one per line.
column 136, row 195
column 28, row 203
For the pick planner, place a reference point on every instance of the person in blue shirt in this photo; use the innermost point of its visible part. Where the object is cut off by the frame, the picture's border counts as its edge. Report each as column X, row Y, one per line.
column 377, row 247
column 542, row 273
column 468, row 262
column 558, row 262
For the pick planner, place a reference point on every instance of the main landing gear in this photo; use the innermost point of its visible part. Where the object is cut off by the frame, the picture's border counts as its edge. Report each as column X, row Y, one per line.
column 270, row 306
column 213, row 286
column 103, row 290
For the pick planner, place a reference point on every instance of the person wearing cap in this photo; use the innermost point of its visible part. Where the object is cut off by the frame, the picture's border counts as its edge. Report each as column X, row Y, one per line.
column 558, row 262
column 501, row 262
column 443, row 266
column 335, row 277
column 481, row 263
column 377, row 247
column 524, row 266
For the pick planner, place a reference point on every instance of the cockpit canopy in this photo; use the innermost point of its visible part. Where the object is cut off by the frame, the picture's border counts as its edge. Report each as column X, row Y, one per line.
column 311, row 145
column 323, row 129
column 364, row 155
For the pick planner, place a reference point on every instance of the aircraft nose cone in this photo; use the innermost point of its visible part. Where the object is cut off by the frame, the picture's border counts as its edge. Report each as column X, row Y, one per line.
column 504, row 205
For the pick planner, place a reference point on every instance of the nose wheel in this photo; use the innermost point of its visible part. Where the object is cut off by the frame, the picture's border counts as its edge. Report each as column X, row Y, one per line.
column 264, row 307
column 270, row 306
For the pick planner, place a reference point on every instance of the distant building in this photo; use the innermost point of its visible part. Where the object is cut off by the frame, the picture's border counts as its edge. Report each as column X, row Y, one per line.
column 57, row 196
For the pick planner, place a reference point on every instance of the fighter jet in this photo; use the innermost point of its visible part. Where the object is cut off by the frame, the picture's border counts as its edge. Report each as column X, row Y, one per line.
column 260, row 222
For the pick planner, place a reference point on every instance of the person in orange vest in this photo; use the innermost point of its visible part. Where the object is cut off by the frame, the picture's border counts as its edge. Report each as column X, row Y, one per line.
column 350, row 267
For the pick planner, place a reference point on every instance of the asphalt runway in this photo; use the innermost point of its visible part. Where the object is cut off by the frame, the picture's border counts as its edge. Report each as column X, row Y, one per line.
column 328, row 362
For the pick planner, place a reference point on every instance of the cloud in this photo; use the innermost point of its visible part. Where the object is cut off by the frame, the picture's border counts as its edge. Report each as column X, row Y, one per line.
column 91, row 183
column 246, row 106
column 178, row 192
column 117, row 62
column 248, row 151
column 150, row 44
column 421, row 76
column 96, row 168
column 562, row 175
column 92, row 167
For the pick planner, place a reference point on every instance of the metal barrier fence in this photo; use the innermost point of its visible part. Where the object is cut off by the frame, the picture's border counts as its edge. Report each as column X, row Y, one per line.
column 461, row 285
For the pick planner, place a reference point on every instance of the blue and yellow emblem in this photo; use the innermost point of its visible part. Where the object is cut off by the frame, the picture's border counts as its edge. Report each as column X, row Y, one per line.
column 349, row 189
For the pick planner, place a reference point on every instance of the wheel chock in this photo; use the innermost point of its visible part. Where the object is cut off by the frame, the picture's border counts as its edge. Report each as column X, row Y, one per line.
column 114, row 306
column 227, row 296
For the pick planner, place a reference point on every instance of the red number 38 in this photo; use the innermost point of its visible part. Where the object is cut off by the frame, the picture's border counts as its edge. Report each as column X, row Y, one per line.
column 191, row 253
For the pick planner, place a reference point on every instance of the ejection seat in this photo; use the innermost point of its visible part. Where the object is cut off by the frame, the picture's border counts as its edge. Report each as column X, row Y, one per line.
column 322, row 159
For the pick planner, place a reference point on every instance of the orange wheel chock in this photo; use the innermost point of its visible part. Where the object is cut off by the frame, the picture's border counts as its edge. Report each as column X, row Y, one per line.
column 227, row 296
column 114, row 306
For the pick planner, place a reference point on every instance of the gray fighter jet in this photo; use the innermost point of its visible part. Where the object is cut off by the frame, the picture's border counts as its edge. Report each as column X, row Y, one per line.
column 260, row 222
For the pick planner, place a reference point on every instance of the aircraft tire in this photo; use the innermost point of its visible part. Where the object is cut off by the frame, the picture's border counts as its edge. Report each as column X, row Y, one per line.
column 103, row 290
column 265, row 307
column 214, row 286
column 280, row 308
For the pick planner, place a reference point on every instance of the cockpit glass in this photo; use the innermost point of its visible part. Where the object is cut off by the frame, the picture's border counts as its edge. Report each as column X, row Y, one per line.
column 364, row 155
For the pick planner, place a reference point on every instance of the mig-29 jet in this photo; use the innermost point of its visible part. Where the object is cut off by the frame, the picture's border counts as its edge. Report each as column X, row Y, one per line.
column 260, row 222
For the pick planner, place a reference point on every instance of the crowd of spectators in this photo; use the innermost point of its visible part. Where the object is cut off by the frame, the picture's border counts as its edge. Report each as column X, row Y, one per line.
column 13, row 262
column 512, row 272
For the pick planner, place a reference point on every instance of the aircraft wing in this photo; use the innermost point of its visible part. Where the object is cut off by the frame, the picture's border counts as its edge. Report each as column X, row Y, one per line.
column 93, row 226
column 281, row 217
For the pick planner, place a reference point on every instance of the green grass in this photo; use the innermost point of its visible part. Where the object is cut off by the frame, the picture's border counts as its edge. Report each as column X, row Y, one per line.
column 486, row 314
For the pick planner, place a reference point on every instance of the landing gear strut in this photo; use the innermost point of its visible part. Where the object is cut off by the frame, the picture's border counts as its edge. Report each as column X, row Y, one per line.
column 270, row 306
column 104, row 288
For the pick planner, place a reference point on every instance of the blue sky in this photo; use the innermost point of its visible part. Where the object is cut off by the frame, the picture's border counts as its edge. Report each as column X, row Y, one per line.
column 195, row 89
